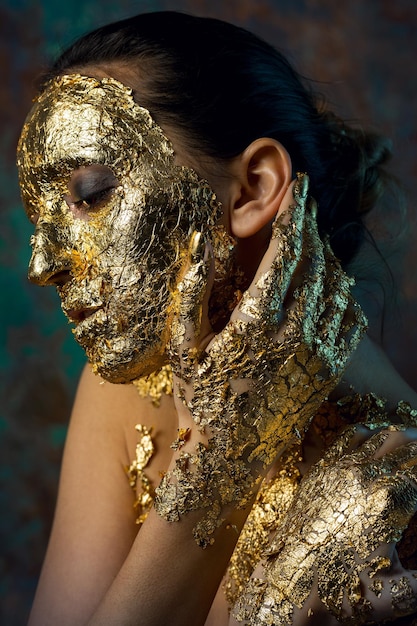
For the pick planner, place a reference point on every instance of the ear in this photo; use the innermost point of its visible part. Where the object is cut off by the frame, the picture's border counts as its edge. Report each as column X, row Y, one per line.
column 262, row 174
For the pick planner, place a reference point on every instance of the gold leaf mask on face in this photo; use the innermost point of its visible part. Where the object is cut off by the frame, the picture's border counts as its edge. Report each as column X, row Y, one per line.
column 114, row 214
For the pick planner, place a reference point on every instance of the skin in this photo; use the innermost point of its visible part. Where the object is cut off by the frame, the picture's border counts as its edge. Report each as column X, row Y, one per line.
column 112, row 231
column 95, row 503
column 121, row 578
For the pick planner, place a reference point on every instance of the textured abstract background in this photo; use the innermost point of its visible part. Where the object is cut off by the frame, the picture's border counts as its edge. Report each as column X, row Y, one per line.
column 363, row 56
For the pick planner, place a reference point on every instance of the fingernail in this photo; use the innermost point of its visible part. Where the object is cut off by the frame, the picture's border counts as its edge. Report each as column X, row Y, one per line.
column 313, row 208
column 301, row 186
column 295, row 213
column 196, row 246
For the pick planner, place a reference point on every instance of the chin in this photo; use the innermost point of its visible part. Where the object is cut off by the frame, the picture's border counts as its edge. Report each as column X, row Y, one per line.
column 124, row 367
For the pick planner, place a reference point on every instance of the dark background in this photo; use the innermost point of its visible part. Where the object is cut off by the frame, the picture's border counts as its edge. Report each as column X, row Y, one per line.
column 363, row 55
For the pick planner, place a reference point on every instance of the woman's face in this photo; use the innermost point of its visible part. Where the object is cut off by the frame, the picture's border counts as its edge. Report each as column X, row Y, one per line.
column 113, row 216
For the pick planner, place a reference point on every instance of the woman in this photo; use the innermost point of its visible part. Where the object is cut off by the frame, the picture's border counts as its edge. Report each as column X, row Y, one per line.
column 163, row 168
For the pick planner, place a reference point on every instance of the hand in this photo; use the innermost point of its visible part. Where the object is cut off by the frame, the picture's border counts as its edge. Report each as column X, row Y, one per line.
column 334, row 555
column 258, row 383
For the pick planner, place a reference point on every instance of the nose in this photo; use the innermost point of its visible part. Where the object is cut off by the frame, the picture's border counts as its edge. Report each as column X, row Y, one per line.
column 50, row 263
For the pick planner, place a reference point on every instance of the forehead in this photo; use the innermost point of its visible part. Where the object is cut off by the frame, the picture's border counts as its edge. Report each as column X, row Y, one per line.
column 81, row 120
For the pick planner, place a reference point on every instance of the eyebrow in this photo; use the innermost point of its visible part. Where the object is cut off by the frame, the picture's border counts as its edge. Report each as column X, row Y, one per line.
column 53, row 169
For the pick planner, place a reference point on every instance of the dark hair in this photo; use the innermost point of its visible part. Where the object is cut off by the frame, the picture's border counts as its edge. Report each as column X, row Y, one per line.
column 222, row 87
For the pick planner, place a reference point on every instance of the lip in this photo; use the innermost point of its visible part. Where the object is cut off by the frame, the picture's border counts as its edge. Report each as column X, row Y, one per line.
column 81, row 314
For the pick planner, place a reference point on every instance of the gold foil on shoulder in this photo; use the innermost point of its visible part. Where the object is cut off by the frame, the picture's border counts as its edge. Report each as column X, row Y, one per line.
column 138, row 479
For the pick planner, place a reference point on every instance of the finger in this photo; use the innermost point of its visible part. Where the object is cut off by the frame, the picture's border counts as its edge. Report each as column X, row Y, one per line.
column 358, row 442
column 399, row 435
column 305, row 302
column 368, row 449
column 403, row 459
column 192, row 288
column 342, row 323
column 336, row 297
column 379, row 447
column 264, row 297
column 353, row 316
column 351, row 437
column 190, row 299
column 206, row 331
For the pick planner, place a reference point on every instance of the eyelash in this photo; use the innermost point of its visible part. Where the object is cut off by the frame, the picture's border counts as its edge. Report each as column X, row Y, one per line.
column 91, row 201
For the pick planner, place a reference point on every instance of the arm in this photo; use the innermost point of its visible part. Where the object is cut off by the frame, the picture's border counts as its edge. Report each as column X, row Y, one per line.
column 227, row 397
column 164, row 576
column 94, row 525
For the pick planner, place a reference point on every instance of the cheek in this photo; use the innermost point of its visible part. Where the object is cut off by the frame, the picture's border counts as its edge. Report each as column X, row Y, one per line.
column 157, row 244
column 143, row 241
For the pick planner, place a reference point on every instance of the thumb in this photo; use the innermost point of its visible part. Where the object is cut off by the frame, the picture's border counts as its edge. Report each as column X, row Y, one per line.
column 190, row 326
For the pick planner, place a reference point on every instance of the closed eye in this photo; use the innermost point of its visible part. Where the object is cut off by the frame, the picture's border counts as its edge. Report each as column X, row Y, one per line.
column 90, row 201
column 90, row 187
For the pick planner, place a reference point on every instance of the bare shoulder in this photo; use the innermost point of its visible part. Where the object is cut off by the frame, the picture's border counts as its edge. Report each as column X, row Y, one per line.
column 94, row 525
column 112, row 412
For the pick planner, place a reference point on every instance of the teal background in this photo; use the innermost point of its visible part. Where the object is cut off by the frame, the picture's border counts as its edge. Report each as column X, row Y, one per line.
column 363, row 55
